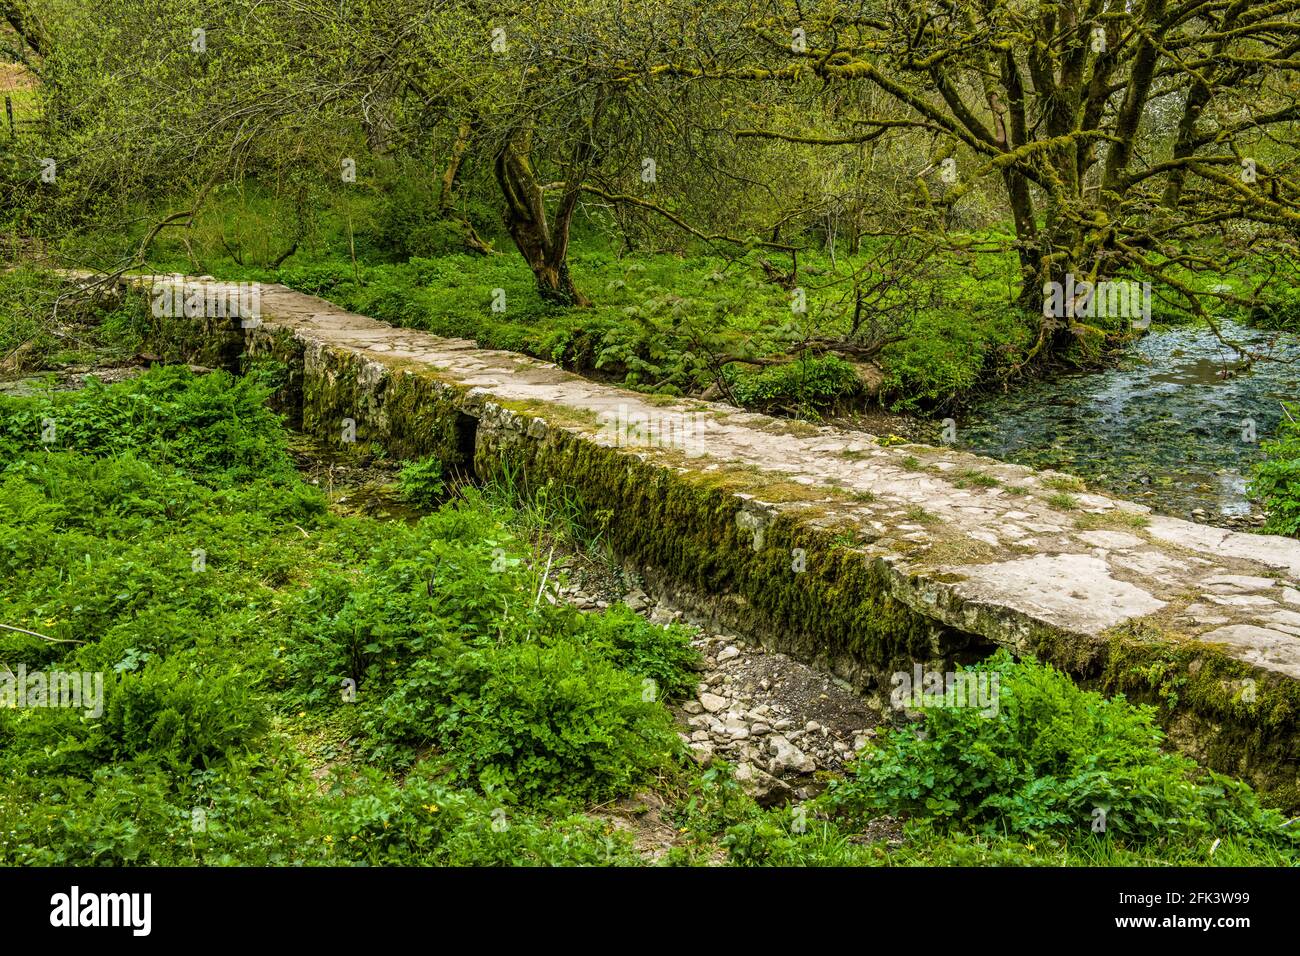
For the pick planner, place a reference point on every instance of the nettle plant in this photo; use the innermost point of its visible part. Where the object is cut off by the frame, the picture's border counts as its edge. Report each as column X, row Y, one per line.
column 421, row 482
column 1052, row 756
column 455, row 659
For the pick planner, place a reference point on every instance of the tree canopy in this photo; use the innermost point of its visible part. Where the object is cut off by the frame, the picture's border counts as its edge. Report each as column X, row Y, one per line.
column 1097, row 139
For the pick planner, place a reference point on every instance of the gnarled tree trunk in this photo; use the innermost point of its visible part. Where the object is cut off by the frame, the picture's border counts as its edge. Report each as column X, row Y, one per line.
column 543, row 241
column 543, row 244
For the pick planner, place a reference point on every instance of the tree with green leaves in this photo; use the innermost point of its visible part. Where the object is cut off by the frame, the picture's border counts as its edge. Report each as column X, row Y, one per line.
column 1149, row 138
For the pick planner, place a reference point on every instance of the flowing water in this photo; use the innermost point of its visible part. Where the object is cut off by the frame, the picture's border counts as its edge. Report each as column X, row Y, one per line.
column 1177, row 425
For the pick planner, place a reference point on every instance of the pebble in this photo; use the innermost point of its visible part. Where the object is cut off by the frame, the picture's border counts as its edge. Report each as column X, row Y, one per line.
column 765, row 788
column 713, row 703
column 786, row 756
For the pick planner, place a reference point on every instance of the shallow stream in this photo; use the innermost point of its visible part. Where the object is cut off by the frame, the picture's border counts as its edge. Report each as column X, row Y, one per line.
column 1176, row 425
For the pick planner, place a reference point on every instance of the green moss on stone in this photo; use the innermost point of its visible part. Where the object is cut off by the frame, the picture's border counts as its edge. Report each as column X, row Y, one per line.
column 837, row 610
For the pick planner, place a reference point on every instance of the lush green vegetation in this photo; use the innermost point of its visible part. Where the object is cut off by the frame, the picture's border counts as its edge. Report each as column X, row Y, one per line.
column 42, row 326
column 162, row 539
column 1058, row 776
column 684, row 321
column 1052, row 757
column 285, row 685
column 1277, row 480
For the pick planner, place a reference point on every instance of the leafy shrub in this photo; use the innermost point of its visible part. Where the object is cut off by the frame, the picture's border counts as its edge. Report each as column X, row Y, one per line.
column 408, row 219
column 1276, row 482
column 808, row 383
column 421, row 482
column 1046, row 762
column 947, row 353
column 215, row 428
column 124, row 329
column 27, row 338
column 535, row 723
column 1279, row 310
column 447, row 651
column 181, row 713
column 98, row 551
column 328, row 277
column 633, row 644
column 91, row 547
column 717, row 801
column 446, row 580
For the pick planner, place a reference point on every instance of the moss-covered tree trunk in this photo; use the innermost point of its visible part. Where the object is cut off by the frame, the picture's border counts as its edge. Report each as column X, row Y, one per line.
column 447, row 189
column 543, row 241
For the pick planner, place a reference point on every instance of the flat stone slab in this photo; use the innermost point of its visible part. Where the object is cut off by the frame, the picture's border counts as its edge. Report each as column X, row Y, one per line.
column 1066, row 590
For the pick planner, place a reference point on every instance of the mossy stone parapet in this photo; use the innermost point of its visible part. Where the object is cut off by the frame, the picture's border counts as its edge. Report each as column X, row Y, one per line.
column 792, row 587
column 405, row 410
column 861, row 558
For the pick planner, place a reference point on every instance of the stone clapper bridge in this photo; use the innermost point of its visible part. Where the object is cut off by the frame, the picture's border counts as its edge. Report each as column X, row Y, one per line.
column 821, row 543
